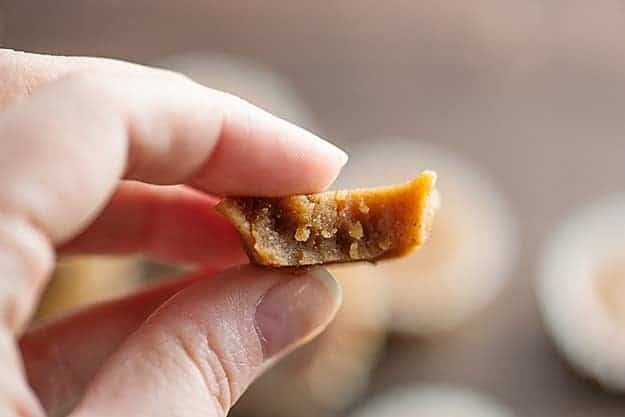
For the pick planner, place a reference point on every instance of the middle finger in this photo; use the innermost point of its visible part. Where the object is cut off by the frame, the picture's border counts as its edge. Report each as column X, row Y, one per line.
column 169, row 223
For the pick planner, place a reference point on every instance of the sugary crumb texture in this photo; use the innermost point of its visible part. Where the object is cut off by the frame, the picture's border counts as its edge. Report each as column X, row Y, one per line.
column 335, row 226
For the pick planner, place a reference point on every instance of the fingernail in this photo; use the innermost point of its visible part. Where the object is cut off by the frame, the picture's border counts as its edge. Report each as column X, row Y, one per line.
column 333, row 150
column 343, row 156
column 295, row 310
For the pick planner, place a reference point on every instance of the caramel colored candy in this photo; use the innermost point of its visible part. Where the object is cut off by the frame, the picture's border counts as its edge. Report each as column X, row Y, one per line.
column 335, row 226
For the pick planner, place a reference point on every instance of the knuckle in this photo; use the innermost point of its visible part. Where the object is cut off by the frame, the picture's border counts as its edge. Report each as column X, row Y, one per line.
column 213, row 373
column 26, row 258
column 206, row 354
column 238, row 112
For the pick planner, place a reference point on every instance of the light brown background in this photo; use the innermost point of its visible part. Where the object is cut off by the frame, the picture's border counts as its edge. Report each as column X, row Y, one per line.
column 534, row 91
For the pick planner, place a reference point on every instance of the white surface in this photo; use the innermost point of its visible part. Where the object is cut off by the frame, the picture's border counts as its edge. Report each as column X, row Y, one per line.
column 584, row 328
column 433, row 401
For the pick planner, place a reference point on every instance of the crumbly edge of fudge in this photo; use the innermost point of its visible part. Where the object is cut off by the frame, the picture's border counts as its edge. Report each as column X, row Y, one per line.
column 335, row 226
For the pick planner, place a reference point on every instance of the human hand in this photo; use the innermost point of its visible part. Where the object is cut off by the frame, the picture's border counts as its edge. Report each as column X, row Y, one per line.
column 101, row 156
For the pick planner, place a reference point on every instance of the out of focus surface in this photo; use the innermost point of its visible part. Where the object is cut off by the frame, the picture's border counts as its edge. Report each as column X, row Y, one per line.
column 83, row 280
column 434, row 400
column 531, row 93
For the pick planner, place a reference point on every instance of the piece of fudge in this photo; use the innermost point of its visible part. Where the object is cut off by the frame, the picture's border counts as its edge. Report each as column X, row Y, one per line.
column 335, row 226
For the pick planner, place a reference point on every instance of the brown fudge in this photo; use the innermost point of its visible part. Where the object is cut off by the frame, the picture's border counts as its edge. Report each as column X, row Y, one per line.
column 335, row 226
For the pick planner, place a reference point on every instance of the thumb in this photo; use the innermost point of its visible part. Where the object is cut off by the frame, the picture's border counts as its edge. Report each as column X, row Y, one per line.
column 197, row 353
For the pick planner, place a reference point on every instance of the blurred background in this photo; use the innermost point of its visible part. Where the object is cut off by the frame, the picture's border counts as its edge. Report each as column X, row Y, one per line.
column 516, row 307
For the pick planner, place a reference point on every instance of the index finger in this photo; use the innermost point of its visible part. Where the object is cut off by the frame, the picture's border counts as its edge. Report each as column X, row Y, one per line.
column 64, row 149
column 23, row 74
column 66, row 146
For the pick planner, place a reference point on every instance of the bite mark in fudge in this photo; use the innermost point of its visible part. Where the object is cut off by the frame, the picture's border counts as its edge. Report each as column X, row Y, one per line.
column 335, row 226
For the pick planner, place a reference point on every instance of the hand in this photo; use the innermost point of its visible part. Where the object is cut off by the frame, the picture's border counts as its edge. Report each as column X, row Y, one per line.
column 87, row 147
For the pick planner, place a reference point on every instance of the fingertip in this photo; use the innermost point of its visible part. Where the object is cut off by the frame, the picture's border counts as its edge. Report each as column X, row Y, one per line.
column 294, row 310
column 323, row 159
column 341, row 156
column 263, row 155
column 334, row 160
column 337, row 156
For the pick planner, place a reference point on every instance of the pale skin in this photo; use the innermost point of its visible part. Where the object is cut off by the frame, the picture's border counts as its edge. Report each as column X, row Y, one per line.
column 101, row 156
